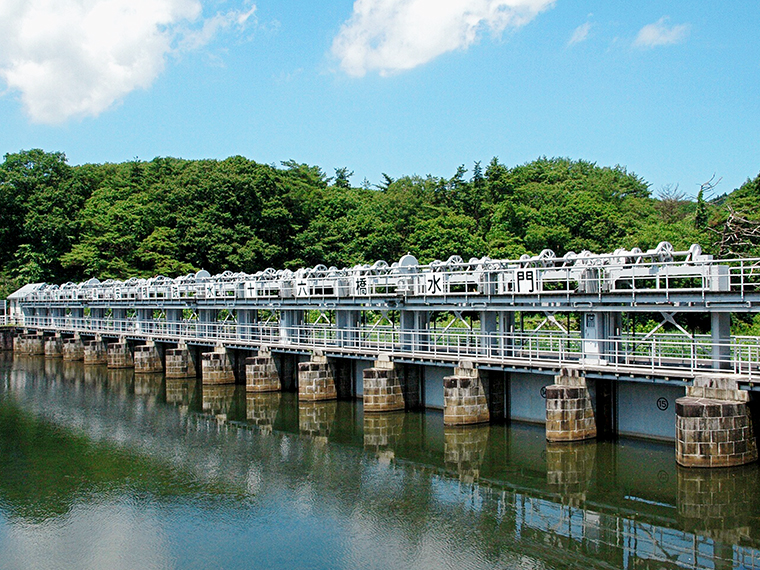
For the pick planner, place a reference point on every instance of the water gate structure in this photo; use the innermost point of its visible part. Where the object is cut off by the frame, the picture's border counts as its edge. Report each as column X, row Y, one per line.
column 449, row 335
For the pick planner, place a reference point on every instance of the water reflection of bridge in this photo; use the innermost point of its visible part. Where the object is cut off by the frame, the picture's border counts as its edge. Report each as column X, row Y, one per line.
column 625, row 503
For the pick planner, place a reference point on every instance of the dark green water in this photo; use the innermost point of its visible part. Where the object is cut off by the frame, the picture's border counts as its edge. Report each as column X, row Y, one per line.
column 103, row 469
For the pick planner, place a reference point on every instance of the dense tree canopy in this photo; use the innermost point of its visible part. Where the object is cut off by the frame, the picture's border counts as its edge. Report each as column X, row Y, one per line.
column 171, row 216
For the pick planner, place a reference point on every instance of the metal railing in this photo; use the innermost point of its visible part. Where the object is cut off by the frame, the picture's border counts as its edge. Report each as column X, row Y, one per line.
column 658, row 355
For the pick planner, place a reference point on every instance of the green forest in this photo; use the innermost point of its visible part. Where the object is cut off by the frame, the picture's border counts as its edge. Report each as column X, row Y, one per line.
column 172, row 216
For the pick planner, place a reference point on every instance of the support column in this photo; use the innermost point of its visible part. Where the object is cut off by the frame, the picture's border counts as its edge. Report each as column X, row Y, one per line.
column 180, row 362
column 174, row 321
column 119, row 320
column 73, row 349
column 382, row 387
column 569, row 414
column 597, row 330
column 316, row 380
column 245, row 320
column 148, row 358
column 120, row 354
column 464, row 397
column 720, row 333
column 713, row 425
column 414, row 330
column 488, row 332
column 216, row 367
column 261, row 373
column 54, row 347
column 290, row 320
column 95, row 352
column 347, row 323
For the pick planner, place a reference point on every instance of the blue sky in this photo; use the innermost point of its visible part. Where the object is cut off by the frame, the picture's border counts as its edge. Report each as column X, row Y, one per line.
column 668, row 89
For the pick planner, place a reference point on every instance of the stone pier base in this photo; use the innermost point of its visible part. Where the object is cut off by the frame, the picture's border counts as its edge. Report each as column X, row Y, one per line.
column 73, row 349
column 316, row 380
column 569, row 414
column 382, row 387
column 54, row 347
column 216, row 367
column 148, row 359
column 261, row 373
column 714, row 425
column 95, row 352
column 180, row 363
column 119, row 355
column 29, row 344
column 464, row 397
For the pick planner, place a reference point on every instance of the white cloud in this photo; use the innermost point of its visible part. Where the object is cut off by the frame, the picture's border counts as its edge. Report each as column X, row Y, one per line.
column 394, row 35
column 580, row 34
column 77, row 58
column 661, row 34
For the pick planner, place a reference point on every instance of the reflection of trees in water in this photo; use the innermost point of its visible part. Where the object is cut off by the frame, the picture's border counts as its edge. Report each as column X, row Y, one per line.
column 48, row 468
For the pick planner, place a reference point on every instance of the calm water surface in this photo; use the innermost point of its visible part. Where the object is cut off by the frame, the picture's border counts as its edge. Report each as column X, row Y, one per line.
column 104, row 469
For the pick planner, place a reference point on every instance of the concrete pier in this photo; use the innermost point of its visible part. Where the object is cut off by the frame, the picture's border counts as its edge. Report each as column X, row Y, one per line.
column 29, row 344
column 464, row 397
column 95, row 352
column 382, row 389
column 569, row 413
column 119, row 355
column 261, row 373
column 54, row 347
column 216, row 367
column 73, row 349
column 316, row 379
column 713, row 425
column 148, row 359
column 180, row 362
